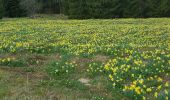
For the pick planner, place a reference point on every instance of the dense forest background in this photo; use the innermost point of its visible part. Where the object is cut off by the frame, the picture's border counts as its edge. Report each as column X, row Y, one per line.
column 82, row 9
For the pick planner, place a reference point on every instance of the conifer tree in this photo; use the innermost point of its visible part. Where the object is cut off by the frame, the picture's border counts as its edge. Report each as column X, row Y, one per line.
column 1, row 9
column 13, row 8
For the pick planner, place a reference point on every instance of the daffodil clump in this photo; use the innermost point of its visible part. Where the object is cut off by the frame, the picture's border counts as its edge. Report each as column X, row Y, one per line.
column 5, row 61
column 95, row 68
column 61, row 69
column 140, row 73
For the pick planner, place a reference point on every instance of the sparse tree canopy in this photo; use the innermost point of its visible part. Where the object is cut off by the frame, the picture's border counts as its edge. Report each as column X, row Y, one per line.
column 31, row 6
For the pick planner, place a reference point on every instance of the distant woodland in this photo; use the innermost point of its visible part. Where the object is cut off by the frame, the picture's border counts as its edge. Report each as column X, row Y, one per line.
column 83, row 9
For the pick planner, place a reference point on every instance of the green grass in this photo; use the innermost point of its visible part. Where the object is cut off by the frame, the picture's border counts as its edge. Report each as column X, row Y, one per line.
column 44, row 59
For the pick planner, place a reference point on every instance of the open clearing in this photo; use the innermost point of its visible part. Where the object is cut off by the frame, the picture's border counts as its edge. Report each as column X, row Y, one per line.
column 42, row 59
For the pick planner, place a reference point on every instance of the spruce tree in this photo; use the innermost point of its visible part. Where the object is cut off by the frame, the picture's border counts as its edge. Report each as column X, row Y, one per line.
column 154, row 8
column 1, row 9
column 78, row 9
column 13, row 8
column 165, row 8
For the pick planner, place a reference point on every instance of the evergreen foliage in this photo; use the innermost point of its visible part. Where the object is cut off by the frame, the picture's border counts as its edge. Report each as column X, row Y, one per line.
column 83, row 9
column 13, row 9
column 1, row 9
column 116, row 8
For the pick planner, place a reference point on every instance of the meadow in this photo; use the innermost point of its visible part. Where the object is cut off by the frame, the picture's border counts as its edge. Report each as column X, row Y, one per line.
column 45, row 59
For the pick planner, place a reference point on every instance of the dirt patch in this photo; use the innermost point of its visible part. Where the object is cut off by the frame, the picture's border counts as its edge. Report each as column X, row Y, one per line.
column 7, row 56
column 21, row 71
column 81, row 60
column 41, row 60
column 146, row 49
column 52, row 96
column 38, row 57
column 55, row 57
column 101, row 58
column 8, row 69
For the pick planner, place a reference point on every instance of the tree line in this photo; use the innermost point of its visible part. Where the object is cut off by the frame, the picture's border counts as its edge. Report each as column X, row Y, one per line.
column 22, row 8
column 83, row 9
column 116, row 8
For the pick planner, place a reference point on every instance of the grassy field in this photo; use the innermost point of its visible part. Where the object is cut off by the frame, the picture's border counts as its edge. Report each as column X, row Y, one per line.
column 43, row 59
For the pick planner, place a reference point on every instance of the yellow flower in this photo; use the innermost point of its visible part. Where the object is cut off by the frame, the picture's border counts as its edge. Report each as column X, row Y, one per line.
column 144, row 98
column 166, row 98
column 3, row 60
column 159, row 79
column 144, row 86
column 166, row 92
column 151, row 78
column 156, row 94
column 141, row 81
column 148, row 89
column 8, row 59
column 137, row 62
column 114, row 84
column 166, row 84
column 159, row 87
column 133, row 75
column 18, row 44
column 132, row 87
column 111, row 77
column 125, row 88
column 137, row 90
column 134, row 82
column 106, row 67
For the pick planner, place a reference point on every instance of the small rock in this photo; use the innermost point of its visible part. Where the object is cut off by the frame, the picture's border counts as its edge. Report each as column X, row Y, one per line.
column 85, row 81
